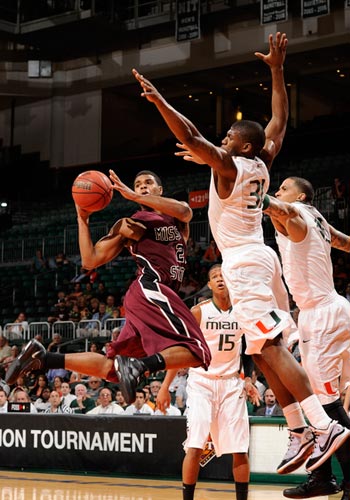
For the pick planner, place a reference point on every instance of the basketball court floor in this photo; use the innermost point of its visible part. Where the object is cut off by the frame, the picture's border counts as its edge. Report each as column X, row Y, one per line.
column 36, row 486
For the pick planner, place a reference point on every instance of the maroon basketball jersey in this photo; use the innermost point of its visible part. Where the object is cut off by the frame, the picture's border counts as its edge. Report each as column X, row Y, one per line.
column 161, row 252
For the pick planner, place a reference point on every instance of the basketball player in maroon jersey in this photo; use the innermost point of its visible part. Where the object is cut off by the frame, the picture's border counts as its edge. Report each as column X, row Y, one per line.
column 160, row 332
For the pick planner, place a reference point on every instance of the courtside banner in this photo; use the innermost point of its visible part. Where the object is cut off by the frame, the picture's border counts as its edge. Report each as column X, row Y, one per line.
column 105, row 443
column 198, row 199
column 273, row 11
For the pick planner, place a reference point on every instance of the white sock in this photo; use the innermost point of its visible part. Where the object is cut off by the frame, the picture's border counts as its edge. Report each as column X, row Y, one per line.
column 294, row 416
column 315, row 413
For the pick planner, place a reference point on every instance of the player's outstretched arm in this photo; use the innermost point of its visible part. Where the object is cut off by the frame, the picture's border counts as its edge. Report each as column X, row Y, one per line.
column 276, row 128
column 183, row 129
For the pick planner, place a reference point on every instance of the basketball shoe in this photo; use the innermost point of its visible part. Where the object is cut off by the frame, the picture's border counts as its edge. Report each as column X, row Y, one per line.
column 300, row 447
column 129, row 372
column 31, row 358
column 327, row 442
column 317, row 485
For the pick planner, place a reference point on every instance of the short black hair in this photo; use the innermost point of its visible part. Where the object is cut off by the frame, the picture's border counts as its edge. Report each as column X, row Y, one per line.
column 149, row 172
column 305, row 187
column 252, row 132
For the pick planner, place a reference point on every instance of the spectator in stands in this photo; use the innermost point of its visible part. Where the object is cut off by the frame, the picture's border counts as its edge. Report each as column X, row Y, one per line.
column 88, row 292
column 42, row 403
column 56, row 383
column 20, row 384
column 94, row 347
column 75, row 378
column 41, row 383
column 52, row 375
column 106, row 404
column 21, row 396
column 101, row 316
column 211, row 254
column 67, row 396
column 271, row 408
column 83, row 403
column 60, row 312
column 101, row 292
column 39, row 263
column 110, row 303
column 74, row 313
column 19, row 327
column 94, row 305
column 147, row 391
column 120, row 399
column 55, row 344
column 139, row 406
column 154, row 388
column 5, row 349
column 14, row 353
column 76, row 292
column 3, row 401
column 55, row 404
column 94, row 386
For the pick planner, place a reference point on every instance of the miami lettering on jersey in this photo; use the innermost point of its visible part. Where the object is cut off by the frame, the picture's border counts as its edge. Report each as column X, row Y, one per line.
column 221, row 325
column 269, row 323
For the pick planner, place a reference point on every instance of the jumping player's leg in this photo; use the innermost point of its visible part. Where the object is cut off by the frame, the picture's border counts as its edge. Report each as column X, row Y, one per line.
column 291, row 385
column 35, row 357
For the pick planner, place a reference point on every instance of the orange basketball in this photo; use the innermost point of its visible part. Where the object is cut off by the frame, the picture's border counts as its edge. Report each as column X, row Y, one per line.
column 92, row 190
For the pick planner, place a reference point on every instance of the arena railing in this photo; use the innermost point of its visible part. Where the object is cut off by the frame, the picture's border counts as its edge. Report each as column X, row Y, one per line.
column 22, row 250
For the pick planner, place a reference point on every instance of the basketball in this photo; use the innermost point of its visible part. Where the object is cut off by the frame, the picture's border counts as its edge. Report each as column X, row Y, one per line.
column 92, row 190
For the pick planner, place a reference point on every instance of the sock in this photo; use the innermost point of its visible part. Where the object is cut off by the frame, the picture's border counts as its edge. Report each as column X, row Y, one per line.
column 315, row 413
column 294, row 416
column 188, row 491
column 241, row 491
column 154, row 363
column 54, row 360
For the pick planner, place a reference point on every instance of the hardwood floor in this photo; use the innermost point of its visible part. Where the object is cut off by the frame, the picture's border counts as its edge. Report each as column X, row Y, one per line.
column 36, row 486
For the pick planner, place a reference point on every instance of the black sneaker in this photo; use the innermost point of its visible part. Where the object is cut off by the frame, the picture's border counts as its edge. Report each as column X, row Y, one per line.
column 345, row 486
column 315, row 486
column 31, row 358
column 130, row 372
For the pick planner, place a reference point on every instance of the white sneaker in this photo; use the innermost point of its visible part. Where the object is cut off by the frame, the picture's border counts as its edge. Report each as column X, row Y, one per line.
column 300, row 447
column 327, row 442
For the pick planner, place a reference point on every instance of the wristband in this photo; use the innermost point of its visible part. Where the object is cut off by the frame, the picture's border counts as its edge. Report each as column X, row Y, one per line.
column 266, row 202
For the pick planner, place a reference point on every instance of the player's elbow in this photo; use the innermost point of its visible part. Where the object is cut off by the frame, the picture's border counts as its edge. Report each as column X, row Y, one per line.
column 186, row 213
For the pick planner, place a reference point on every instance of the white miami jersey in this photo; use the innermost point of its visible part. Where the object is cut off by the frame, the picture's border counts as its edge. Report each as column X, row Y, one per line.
column 223, row 336
column 307, row 265
column 236, row 220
